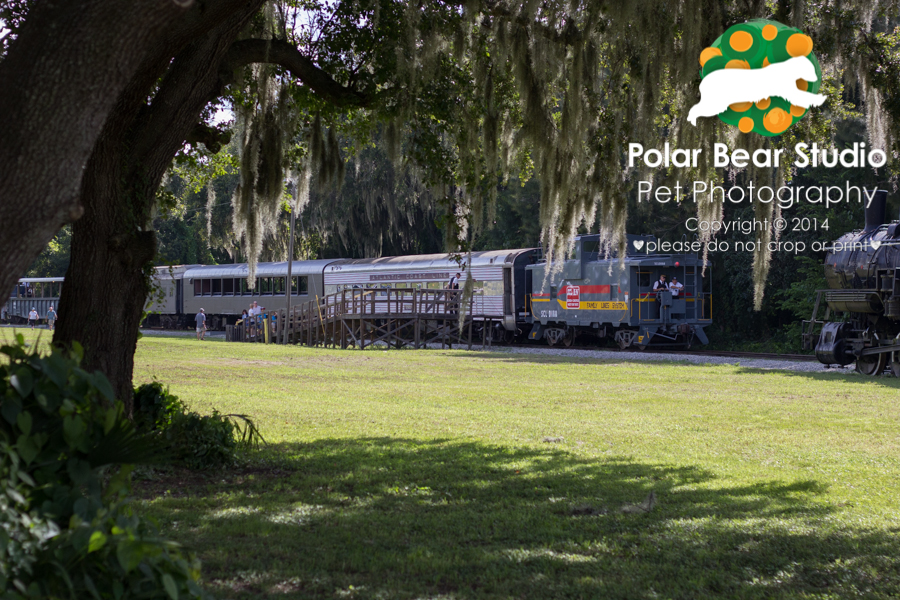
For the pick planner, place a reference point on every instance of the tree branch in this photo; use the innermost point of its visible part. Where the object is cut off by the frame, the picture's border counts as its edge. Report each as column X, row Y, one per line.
column 278, row 52
column 210, row 137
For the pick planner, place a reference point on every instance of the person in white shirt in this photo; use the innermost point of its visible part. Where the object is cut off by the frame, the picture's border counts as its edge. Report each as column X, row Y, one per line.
column 675, row 287
column 661, row 285
column 33, row 317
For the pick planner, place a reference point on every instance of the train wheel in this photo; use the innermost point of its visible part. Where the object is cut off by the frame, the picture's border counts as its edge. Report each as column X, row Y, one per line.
column 569, row 338
column 872, row 365
column 624, row 338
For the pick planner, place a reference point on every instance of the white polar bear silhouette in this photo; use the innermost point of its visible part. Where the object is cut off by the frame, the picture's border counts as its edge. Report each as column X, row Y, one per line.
column 725, row 87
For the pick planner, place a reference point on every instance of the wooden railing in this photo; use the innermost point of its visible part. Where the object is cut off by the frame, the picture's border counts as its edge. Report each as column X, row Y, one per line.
column 366, row 316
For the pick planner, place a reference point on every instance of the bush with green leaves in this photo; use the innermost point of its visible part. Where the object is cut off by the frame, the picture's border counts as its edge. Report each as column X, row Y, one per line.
column 155, row 407
column 66, row 529
column 195, row 441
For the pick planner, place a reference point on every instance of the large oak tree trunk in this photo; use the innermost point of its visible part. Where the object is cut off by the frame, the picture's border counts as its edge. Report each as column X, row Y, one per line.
column 112, row 247
column 59, row 81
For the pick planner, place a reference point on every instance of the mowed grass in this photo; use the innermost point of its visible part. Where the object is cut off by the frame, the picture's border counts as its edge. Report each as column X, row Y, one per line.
column 453, row 474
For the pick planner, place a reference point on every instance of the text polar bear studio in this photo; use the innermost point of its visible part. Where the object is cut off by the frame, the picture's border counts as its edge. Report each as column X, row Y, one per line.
column 725, row 87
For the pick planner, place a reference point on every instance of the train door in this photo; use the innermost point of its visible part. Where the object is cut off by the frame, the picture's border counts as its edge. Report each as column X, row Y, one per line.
column 691, row 295
column 529, row 275
column 507, row 291
column 179, row 296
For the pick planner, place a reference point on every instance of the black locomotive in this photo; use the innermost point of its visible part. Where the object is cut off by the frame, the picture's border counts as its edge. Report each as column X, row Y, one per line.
column 862, row 319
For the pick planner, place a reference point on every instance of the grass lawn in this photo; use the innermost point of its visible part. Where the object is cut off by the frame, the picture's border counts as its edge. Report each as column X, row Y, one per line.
column 449, row 474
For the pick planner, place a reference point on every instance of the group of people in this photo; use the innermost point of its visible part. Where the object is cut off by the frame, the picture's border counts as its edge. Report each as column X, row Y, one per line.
column 34, row 317
column 251, row 316
column 662, row 286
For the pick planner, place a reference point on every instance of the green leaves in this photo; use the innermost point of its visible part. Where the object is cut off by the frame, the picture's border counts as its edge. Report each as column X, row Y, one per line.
column 22, row 382
column 74, row 429
column 74, row 536
column 97, row 541
column 169, row 585
column 129, row 555
column 24, row 422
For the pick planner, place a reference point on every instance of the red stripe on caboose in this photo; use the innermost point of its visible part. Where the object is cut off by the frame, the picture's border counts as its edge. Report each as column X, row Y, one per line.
column 593, row 289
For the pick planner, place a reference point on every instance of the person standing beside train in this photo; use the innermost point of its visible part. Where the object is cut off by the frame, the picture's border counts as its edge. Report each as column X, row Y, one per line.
column 201, row 324
column 51, row 317
column 33, row 317
column 453, row 306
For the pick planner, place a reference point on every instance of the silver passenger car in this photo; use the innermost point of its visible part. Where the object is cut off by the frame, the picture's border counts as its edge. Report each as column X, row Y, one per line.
column 222, row 290
column 499, row 293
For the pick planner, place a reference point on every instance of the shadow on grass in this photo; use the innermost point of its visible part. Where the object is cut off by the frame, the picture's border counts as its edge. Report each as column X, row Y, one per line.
column 397, row 518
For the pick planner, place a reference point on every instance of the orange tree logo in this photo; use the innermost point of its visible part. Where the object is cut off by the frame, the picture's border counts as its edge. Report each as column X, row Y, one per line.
column 759, row 76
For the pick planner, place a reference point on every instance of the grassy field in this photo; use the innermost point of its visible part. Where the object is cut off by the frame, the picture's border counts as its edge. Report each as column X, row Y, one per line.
column 448, row 474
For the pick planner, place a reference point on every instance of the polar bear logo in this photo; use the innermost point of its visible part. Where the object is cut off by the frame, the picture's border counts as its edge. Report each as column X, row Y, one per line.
column 725, row 87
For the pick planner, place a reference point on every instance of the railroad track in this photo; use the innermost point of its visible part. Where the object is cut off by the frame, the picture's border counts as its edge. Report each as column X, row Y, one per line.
column 716, row 353
column 650, row 350
column 757, row 355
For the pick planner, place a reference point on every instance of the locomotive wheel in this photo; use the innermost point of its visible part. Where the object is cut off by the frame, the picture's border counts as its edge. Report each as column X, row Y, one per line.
column 872, row 365
column 569, row 338
column 624, row 338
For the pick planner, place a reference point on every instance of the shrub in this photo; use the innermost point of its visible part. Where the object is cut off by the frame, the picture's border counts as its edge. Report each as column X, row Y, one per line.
column 66, row 529
column 155, row 407
column 194, row 440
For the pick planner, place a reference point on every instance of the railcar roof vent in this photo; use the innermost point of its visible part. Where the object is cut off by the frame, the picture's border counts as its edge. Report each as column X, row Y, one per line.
column 875, row 211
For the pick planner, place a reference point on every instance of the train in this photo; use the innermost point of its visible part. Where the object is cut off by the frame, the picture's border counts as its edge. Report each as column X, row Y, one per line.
column 593, row 295
column 861, row 320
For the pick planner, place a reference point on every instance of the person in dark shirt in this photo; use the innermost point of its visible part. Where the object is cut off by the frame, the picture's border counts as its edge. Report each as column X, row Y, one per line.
column 201, row 324
column 661, row 285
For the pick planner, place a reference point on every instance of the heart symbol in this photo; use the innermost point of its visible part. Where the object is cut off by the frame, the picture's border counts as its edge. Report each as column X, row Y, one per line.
column 875, row 244
column 638, row 244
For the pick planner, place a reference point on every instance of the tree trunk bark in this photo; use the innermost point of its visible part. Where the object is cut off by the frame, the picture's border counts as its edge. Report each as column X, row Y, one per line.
column 112, row 248
column 61, row 77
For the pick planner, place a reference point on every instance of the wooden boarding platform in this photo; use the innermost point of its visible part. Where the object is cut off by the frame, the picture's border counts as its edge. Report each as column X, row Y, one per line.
column 364, row 317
